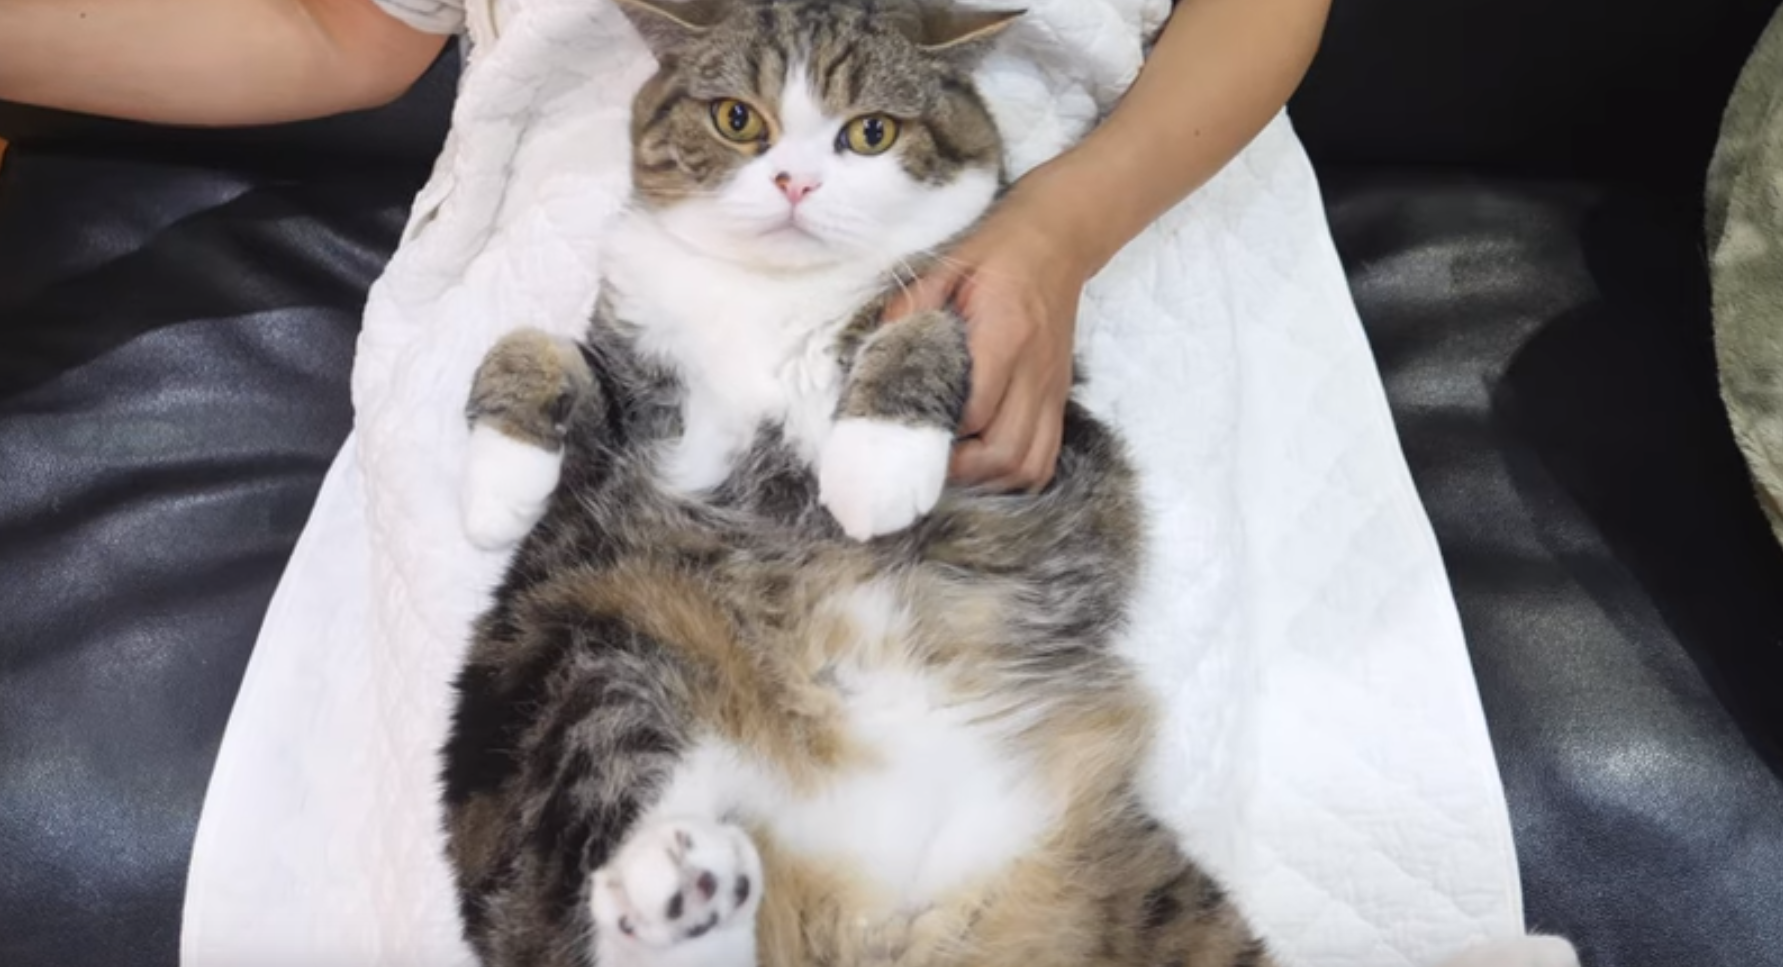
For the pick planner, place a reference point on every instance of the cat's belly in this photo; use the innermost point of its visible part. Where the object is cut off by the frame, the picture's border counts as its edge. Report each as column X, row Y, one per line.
column 935, row 798
column 940, row 802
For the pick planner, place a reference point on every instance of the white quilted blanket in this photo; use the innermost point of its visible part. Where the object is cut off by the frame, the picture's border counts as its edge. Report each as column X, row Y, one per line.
column 1325, row 749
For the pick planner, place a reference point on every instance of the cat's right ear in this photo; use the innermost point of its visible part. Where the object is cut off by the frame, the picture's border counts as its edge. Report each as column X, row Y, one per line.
column 963, row 37
column 667, row 25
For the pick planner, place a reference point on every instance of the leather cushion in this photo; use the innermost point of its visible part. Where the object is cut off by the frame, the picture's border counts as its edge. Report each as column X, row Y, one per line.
column 1546, row 347
column 174, row 350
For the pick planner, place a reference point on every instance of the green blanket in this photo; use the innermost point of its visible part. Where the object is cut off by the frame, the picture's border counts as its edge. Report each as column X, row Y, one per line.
column 1745, row 237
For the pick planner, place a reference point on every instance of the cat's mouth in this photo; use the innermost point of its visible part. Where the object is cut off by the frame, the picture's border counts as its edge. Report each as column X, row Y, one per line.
column 790, row 228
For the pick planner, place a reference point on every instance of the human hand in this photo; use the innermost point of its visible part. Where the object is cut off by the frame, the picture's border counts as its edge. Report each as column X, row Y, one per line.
column 1016, row 281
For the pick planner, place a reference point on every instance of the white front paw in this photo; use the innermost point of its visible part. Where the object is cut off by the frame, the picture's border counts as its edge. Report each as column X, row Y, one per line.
column 877, row 477
column 507, row 486
column 679, row 892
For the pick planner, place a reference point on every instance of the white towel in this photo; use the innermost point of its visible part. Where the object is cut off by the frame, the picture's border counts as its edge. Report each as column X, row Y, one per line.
column 1325, row 749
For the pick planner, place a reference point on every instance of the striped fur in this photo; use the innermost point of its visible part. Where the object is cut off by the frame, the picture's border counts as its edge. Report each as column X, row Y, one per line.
column 861, row 55
column 637, row 622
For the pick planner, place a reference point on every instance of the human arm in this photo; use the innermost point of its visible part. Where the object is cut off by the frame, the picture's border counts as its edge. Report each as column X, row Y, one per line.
column 208, row 62
column 1221, row 70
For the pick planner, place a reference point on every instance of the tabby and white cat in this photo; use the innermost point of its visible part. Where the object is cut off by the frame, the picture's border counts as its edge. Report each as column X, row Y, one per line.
column 754, row 689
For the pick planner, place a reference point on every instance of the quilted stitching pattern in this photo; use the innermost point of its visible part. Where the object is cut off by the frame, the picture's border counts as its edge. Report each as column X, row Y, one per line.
column 1324, row 746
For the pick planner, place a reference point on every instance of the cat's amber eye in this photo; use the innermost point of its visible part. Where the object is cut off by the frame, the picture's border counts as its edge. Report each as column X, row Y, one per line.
column 737, row 121
column 869, row 135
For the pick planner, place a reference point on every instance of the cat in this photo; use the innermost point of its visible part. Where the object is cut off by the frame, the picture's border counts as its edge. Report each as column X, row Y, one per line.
column 757, row 688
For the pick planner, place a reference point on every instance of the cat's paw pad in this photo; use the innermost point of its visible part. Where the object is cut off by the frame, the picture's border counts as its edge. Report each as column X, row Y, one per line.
column 1529, row 951
column 675, row 882
column 507, row 486
column 877, row 477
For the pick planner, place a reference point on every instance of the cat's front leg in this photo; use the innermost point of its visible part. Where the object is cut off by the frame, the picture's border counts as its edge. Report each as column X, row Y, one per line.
column 885, row 462
column 525, row 392
column 679, row 893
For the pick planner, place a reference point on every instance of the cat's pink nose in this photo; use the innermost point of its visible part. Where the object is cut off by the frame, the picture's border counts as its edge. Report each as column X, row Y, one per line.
column 796, row 188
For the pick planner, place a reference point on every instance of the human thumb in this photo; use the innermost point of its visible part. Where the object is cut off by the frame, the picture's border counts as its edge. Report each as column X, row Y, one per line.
column 932, row 291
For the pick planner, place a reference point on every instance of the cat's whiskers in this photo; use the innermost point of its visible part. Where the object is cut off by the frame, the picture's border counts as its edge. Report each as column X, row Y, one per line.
column 934, row 259
column 903, row 274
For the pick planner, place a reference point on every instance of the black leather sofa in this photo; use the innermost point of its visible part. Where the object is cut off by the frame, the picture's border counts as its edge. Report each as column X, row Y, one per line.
column 1515, row 189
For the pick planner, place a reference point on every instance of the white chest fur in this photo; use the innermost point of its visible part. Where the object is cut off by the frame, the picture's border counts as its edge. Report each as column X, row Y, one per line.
column 752, row 347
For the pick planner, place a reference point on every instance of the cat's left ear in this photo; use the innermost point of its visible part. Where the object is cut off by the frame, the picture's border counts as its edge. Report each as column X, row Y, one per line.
column 964, row 36
column 667, row 25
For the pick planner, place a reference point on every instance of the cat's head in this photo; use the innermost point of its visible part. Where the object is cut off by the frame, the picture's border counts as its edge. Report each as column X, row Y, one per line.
column 796, row 134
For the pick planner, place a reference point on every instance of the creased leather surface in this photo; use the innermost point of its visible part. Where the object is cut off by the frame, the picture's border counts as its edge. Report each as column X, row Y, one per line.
column 1546, row 348
column 178, row 312
column 175, row 344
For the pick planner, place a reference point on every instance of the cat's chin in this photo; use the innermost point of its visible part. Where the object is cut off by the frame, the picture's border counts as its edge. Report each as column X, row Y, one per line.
column 791, row 248
column 787, row 250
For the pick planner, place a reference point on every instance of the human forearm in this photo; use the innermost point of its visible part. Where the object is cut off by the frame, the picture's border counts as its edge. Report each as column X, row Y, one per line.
column 1222, row 69
column 1219, row 73
column 206, row 61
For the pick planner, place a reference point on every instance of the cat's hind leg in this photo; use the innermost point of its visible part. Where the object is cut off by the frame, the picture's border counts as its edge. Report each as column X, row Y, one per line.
column 524, row 394
column 679, row 893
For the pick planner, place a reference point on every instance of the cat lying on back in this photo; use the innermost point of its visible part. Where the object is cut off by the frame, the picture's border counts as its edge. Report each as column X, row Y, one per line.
column 754, row 689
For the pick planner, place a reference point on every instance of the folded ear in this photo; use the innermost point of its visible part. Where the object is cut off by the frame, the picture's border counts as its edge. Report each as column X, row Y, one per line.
column 667, row 25
column 964, row 36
